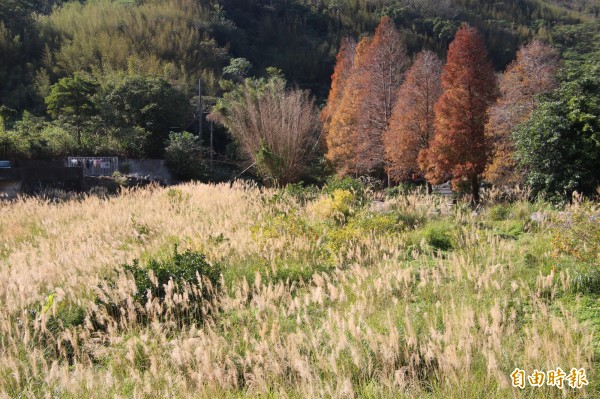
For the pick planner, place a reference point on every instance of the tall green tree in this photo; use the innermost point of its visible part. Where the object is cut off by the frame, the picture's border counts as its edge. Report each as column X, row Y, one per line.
column 150, row 106
column 71, row 101
column 185, row 156
column 559, row 147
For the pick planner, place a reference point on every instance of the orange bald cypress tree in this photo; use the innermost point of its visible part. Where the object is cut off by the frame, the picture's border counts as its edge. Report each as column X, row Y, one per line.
column 458, row 149
column 532, row 73
column 381, row 76
column 412, row 121
column 342, row 131
column 341, row 73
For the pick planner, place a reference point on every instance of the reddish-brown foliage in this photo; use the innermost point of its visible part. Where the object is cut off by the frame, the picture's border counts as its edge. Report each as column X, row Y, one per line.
column 381, row 76
column 341, row 73
column 458, row 149
column 341, row 133
column 532, row 73
column 412, row 121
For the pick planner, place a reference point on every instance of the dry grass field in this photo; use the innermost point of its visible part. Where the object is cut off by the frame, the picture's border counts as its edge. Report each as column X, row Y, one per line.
column 319, row 294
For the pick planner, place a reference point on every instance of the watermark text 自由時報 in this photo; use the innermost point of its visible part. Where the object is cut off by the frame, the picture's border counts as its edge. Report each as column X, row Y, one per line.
column 576, row 378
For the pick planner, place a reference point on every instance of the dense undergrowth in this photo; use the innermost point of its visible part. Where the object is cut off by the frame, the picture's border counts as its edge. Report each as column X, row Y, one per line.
column 219, row 291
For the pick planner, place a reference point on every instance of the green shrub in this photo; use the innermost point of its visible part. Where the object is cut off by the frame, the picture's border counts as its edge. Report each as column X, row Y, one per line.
column 338, row 205
column 355, row 186
column 301, row 193
column 530, row 260
column 411, row 220
column 339, row 238
column 295, row 191
column 60, row 316
column 498, row 212
column 185, row 286
column 438, row 234
column 379, row 222
column 509, row 220
column 509, row 228
column 587, row 280
column 185, row 156
column 361, row 226
column 281, row 224
column 183, row 268
column 522, row 211
column 402, row 188
column 68, row 314
column 298, row 271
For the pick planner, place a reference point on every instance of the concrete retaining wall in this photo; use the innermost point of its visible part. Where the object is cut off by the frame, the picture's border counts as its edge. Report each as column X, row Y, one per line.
column 9, row 189
column 33, row 176
column 155, row 169
column 36, row 177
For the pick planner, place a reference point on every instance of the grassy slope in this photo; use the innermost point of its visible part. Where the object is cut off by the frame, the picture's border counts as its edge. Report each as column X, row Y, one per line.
column 406, row 303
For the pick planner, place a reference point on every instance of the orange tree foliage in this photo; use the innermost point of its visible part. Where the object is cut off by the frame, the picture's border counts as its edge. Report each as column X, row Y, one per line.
column 412, row 121
column 341, row 73
column 458, row 149
column 342, row 130
column 532, row 73
column 381, row 76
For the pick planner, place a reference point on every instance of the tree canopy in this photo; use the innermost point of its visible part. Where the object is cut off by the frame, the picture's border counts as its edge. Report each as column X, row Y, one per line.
column 559, row 145
column 412, row 121
column 458, row 149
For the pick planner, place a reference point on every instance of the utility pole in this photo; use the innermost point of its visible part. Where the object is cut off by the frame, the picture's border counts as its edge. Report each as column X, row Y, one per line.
column 211, row 145
column 200, row 110
column 200, row 119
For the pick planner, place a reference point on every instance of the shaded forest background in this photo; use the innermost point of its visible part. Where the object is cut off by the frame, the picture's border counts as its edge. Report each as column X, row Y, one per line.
column 182, row 40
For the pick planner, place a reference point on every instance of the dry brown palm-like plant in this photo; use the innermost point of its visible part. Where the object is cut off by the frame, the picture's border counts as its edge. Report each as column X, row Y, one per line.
column 276, row 127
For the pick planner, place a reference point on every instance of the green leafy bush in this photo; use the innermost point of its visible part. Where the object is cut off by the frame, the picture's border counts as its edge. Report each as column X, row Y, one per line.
column 411, row 219
column 379, row 222
column 509, row 228
column 185, row 156
column 438, row 234
column 559, row 145
column 68, row 314
column 187, row 268
column 498, row 212
column 342, row 237
column 281, row 224
column 355, row 186
column 300, row 192
column 338, row 205
column 179, row 290
column 59, row 316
